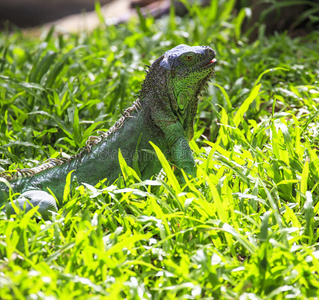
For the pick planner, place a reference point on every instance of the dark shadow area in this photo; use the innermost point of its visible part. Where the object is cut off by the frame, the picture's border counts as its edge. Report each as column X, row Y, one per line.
column 30, row 13
column 296, row 17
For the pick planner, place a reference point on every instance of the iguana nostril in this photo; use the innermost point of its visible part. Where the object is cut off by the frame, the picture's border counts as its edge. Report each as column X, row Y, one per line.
column 210, row 51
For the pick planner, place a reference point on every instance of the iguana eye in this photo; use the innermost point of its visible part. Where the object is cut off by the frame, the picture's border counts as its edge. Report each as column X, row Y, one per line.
column 188, row 57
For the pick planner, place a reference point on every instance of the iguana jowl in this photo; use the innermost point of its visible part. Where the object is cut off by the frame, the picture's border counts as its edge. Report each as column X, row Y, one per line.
column 163, row 114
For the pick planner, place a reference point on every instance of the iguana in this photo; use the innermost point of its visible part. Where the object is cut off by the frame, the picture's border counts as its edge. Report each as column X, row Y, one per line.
column 163, row 114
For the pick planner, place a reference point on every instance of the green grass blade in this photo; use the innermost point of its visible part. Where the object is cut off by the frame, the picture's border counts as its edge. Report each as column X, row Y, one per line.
column 167, row 168
column 244, row 107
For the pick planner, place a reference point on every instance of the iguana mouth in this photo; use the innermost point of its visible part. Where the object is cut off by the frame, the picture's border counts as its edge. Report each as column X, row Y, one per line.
column 211, row 62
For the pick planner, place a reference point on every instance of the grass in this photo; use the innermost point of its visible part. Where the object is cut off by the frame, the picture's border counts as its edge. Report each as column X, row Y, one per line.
column 244, row 228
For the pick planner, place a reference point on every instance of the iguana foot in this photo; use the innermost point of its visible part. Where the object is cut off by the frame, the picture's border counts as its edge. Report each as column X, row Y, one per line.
column 43, row 200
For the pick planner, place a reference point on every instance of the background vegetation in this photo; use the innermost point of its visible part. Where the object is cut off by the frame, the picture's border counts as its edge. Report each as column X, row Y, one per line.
column 244, row 228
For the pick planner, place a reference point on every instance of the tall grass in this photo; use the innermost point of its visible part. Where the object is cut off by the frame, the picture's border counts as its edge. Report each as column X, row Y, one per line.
column 244, row 228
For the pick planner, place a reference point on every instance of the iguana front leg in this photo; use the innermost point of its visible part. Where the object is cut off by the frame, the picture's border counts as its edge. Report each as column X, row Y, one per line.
column 178, row 145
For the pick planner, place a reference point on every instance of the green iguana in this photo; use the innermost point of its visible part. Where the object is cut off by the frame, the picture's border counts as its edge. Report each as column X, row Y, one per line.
column 163, row 114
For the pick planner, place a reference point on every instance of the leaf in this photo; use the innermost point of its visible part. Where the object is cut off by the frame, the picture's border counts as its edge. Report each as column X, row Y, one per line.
column 128, row 173
column 98, row 12
column 223, row 91
column 240, row 238
column 309, row 216
column 57, row 68
column 267, row 71
column 90, row 129
column 244, row 107
column 304, row 178
column 167, row 168
column 76, row 127
column 263, row 236
column 42, row 67
column 128, row 242
column 67, row 187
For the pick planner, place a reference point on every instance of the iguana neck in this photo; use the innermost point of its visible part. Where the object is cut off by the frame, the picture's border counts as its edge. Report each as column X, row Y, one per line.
column 157, row 91
column 154, row 82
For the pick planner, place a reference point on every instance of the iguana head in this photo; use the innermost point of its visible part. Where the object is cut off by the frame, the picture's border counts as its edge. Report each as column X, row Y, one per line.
column 175, row 80
column 188, row 69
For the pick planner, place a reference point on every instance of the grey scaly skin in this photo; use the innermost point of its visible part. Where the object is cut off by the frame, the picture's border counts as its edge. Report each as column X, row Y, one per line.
column 163, row 114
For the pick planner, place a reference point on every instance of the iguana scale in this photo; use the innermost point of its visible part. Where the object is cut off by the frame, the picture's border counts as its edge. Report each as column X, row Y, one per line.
column 163, row 114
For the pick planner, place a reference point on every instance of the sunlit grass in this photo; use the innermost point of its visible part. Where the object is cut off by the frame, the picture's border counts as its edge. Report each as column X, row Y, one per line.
column 246, row 226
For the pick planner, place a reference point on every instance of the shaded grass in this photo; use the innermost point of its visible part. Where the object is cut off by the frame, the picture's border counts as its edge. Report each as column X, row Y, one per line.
column 244, row 227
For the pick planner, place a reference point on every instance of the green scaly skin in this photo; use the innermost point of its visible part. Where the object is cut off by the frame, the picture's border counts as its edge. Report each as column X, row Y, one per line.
column 164, row 114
